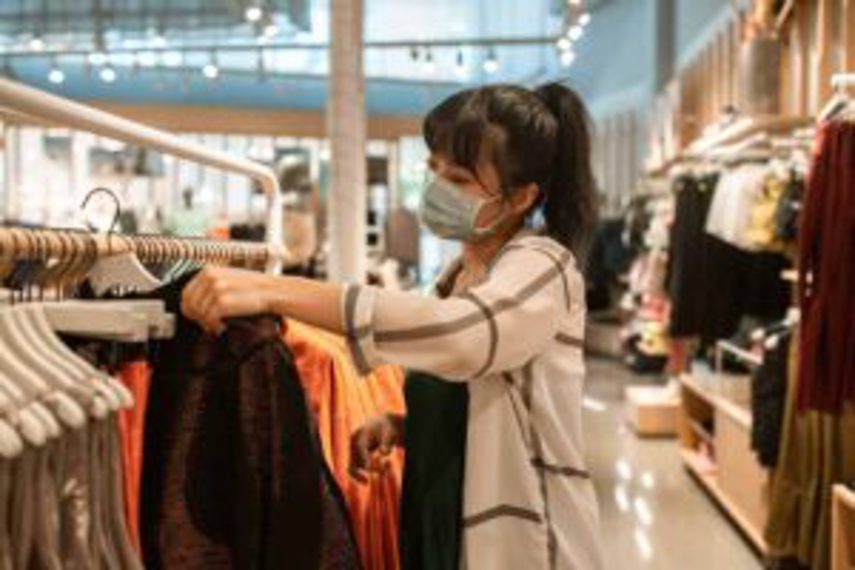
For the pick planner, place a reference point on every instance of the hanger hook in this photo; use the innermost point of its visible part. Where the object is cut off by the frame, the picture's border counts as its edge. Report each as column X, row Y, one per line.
column 117, row 213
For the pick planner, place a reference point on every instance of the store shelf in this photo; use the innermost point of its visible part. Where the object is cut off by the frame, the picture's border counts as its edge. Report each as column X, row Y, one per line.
column 730, row 393
column 714, row 414
column 710, row 483
column 843, row 529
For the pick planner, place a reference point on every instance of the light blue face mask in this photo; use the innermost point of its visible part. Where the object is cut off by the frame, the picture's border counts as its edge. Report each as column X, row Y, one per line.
column 452, row 213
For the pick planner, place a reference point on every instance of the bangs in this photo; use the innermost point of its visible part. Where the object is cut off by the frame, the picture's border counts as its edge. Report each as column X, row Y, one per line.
column 459, row 129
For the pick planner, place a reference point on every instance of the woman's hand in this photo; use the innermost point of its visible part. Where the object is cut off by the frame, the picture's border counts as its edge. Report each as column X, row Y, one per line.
column 218, row 293
column 372, row 443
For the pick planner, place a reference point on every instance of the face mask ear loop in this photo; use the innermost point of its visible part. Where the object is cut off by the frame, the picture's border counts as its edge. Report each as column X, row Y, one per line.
column 491, row 229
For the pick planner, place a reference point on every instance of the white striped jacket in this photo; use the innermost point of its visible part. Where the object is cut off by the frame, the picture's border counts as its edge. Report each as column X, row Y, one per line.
column 516, row 339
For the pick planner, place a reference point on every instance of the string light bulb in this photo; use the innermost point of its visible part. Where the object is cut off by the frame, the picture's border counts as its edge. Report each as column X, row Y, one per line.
column 584, row 19
column 567, row 58
column 575, row 33
column 564, row 44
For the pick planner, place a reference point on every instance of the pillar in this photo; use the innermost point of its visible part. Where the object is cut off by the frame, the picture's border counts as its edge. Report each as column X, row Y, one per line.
column 346, row 202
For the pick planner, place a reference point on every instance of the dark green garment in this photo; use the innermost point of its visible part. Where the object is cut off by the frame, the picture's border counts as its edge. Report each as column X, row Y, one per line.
column 432, row 495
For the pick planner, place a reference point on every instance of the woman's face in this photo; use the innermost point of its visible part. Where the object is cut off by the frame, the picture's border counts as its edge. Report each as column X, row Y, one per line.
column 485, row 183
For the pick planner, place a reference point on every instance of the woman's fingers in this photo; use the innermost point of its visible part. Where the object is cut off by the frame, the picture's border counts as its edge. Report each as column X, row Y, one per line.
column 216, row 294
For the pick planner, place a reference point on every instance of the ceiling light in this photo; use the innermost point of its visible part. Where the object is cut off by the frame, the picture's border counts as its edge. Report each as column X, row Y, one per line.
column 564, row 44
column 97, row 58
column 491, row 64
column 584, row 19
column 253, row 14
column 159, row 41
column 271, row 30
column 211, row 71
column 56, row 76
column 575, row 33
column 108, row 74
column 37, row 43
column 567, row 58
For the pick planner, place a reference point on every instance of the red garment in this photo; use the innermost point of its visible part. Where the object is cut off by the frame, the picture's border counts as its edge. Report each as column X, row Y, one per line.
column 827, row 256
column 342, row 401
column 136, row 376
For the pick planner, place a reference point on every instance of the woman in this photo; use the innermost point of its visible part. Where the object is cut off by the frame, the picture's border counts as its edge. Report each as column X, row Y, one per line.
column 509, row 322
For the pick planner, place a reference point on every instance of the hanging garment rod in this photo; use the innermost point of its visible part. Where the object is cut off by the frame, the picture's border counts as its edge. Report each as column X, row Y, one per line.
column 43, row 105
column 45, row 244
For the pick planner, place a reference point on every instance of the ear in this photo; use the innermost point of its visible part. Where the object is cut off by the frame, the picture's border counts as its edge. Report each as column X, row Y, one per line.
column 525, row 198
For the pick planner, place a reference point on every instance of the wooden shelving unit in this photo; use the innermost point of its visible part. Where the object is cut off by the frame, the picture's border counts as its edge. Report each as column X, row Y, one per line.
column 728, row 471
column 843, row 529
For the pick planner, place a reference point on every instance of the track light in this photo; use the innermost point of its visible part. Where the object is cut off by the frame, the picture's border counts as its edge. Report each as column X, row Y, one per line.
column 564, row 44
column 575, row 33
column 429, row 66
column 37, row 43
column 460, row 65
column 491, row 64
column 253, row 14
column 211, row 70
column 414, row 54
column 108, row 74
column 56, row 76
column 584, row 19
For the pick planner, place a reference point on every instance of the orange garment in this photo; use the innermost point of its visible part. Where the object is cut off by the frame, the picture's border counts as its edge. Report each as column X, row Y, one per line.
column 136, row 376
column 342, row 401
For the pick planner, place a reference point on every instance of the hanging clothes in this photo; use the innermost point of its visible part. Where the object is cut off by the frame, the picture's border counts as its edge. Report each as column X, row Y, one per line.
column 342, row 401
column 827, row 273
column 233, row 473
column 768, row 394
column 432, row 502
column 817, row 450
column 136, row 376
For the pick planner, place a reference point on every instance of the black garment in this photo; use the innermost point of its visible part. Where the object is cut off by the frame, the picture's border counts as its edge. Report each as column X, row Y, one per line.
column 787, row 211
column 233, row 475
column 713, row 284
column 689, row 259
column 768, row 396
column 609, row 258
column 432, row 494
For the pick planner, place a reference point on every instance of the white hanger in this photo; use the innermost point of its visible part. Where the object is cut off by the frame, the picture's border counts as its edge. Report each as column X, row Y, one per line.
column 122, row 272
column 11, row 444
column 24, row 419
column 79, row 386
column 33, row 389
column 17, row 337
column 78, row 370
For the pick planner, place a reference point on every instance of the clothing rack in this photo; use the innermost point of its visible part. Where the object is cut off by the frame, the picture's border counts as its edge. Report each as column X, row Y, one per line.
column 40, row 104
column 46, row 244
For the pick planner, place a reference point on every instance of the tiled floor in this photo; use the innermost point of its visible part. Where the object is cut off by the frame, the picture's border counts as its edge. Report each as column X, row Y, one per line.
column 653, row 513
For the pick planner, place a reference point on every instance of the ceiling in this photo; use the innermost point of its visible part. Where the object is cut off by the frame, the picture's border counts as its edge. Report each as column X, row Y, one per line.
column 207, row 52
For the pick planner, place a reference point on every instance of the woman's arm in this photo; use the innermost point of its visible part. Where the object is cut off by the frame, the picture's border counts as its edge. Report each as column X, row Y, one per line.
column 218, row 293
column 497, row 326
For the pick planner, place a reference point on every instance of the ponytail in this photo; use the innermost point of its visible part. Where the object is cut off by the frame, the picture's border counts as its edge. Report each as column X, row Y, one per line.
column 570, row 194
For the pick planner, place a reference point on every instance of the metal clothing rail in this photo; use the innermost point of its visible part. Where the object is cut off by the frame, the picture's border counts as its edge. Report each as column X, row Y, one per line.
column 40, row 104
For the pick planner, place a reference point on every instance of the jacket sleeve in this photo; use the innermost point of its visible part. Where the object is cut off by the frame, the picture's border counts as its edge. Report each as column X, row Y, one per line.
column 495, row 327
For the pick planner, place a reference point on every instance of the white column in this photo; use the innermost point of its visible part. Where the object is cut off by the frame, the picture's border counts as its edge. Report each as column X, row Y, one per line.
column 346, row 130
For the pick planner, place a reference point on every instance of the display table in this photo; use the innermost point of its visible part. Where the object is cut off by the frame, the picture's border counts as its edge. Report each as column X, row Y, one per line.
column 714, row 424
column 843, row 529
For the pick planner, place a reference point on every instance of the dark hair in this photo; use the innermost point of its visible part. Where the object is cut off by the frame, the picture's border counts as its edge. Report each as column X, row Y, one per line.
column 540, row 136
